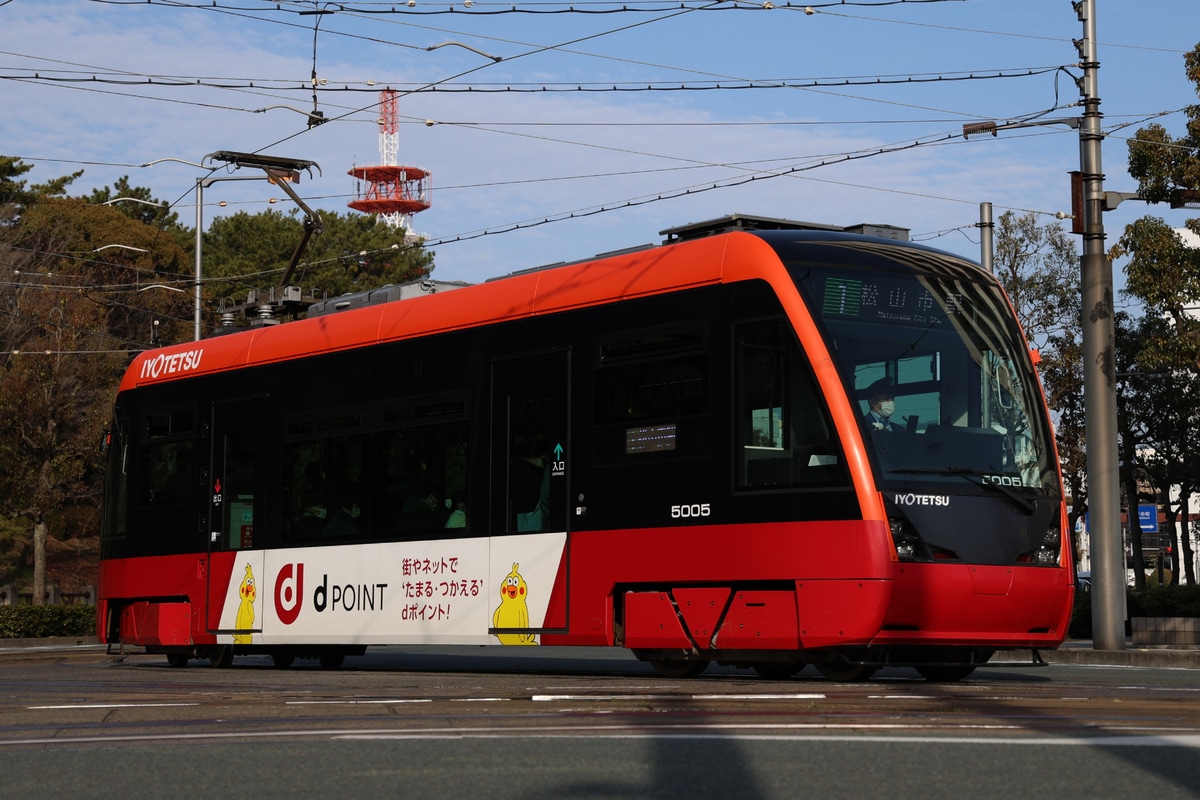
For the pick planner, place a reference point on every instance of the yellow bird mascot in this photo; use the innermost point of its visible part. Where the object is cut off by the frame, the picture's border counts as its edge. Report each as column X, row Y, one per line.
column 512, row 611
column 245, row 613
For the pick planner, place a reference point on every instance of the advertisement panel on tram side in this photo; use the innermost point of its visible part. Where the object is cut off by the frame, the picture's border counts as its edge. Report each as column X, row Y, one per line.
column 483, row 590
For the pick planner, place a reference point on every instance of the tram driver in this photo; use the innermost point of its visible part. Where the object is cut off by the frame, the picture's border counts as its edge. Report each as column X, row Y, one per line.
column 881, row 403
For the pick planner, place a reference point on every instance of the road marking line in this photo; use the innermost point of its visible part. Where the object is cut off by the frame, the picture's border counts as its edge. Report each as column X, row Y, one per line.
column 796, row 696
column 479, row 699
column 722, row 732
column 553, row 698
column 108, row 705
column 355, row 702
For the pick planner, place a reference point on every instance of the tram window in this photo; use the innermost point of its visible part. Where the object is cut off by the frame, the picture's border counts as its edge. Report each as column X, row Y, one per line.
column 658, row 389
column 421, row 467
column 117, row 483
column 917, row 381
column 167, row 461
column 168, row 424
column 326, row 494
column 240, row 482
column 784, row 434
column 424, row 469
column 944, row 397
column 532, row 504
column 406, row 479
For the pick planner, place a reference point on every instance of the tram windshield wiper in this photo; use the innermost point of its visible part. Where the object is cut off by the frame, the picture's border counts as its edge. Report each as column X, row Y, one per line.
column 1025, row 504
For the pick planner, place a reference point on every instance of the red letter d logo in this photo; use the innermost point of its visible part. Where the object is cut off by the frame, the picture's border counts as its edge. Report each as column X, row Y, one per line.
column 289, row 591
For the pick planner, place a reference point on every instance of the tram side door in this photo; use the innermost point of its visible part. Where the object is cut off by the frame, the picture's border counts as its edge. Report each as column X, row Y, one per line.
column 530, row 464
column 235, row 487
column 530, row 447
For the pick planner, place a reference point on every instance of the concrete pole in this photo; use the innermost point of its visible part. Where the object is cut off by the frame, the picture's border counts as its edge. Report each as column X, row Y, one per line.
column 1099, row 365
column 987, row 231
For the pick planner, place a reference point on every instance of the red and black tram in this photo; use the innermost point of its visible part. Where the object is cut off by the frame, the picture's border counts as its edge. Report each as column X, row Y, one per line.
column 673, row 450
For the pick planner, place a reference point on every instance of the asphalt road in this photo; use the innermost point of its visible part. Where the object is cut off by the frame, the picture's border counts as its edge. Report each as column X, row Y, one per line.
column 551, row 722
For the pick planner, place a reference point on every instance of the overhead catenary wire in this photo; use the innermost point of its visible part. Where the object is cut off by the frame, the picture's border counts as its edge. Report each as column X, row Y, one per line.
column 565, row 87
column 729, row 83
column 485, row 8
column 448, row 84
column 590, row 7
column 947, row 138
column 362, row 7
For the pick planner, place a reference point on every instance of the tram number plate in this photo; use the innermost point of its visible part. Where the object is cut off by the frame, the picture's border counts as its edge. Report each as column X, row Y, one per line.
column 690, row 510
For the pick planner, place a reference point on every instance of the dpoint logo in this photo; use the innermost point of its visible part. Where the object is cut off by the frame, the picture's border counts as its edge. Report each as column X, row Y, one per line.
column 289, row 591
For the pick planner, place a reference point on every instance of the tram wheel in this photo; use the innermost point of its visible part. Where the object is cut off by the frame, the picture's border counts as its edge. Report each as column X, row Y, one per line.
column 177, row 660
column 221, row 656
column 844, row 671
column 282, row 660
column 332, row 660
column 945, row 673
column 671, row 668
column 778, row 670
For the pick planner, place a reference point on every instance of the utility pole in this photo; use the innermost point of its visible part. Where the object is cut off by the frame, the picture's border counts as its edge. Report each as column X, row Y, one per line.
column 1088, row 204
column 1099, row 363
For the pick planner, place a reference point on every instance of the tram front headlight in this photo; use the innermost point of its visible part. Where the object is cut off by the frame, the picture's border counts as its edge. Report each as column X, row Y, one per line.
column 1046, row 558
column 1050, row 553
column 1052, row 538
column 908, row 546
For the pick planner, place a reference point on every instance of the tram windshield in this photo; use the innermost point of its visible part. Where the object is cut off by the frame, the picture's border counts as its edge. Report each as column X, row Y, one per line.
column 932, row 357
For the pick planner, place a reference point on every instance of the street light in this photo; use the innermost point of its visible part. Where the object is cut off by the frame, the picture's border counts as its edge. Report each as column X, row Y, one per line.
column 987, row 126
column 132, row 200
column 175, row 160
column 465, row 47
column 129, row 247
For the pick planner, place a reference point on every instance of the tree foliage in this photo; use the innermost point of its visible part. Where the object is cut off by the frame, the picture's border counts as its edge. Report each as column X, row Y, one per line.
column 15, row 197
column 73, row 314
column 1158, row 419
column 88, row 284
column 135, row 202
column 1164, row 165
column 1163, row 272
column 1039, row 267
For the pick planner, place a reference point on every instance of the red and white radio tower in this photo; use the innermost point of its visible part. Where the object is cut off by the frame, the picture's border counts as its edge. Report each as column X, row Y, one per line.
column 393, row 192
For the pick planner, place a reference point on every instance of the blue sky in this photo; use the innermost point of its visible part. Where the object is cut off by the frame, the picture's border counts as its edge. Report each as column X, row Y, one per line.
column 850, row 114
